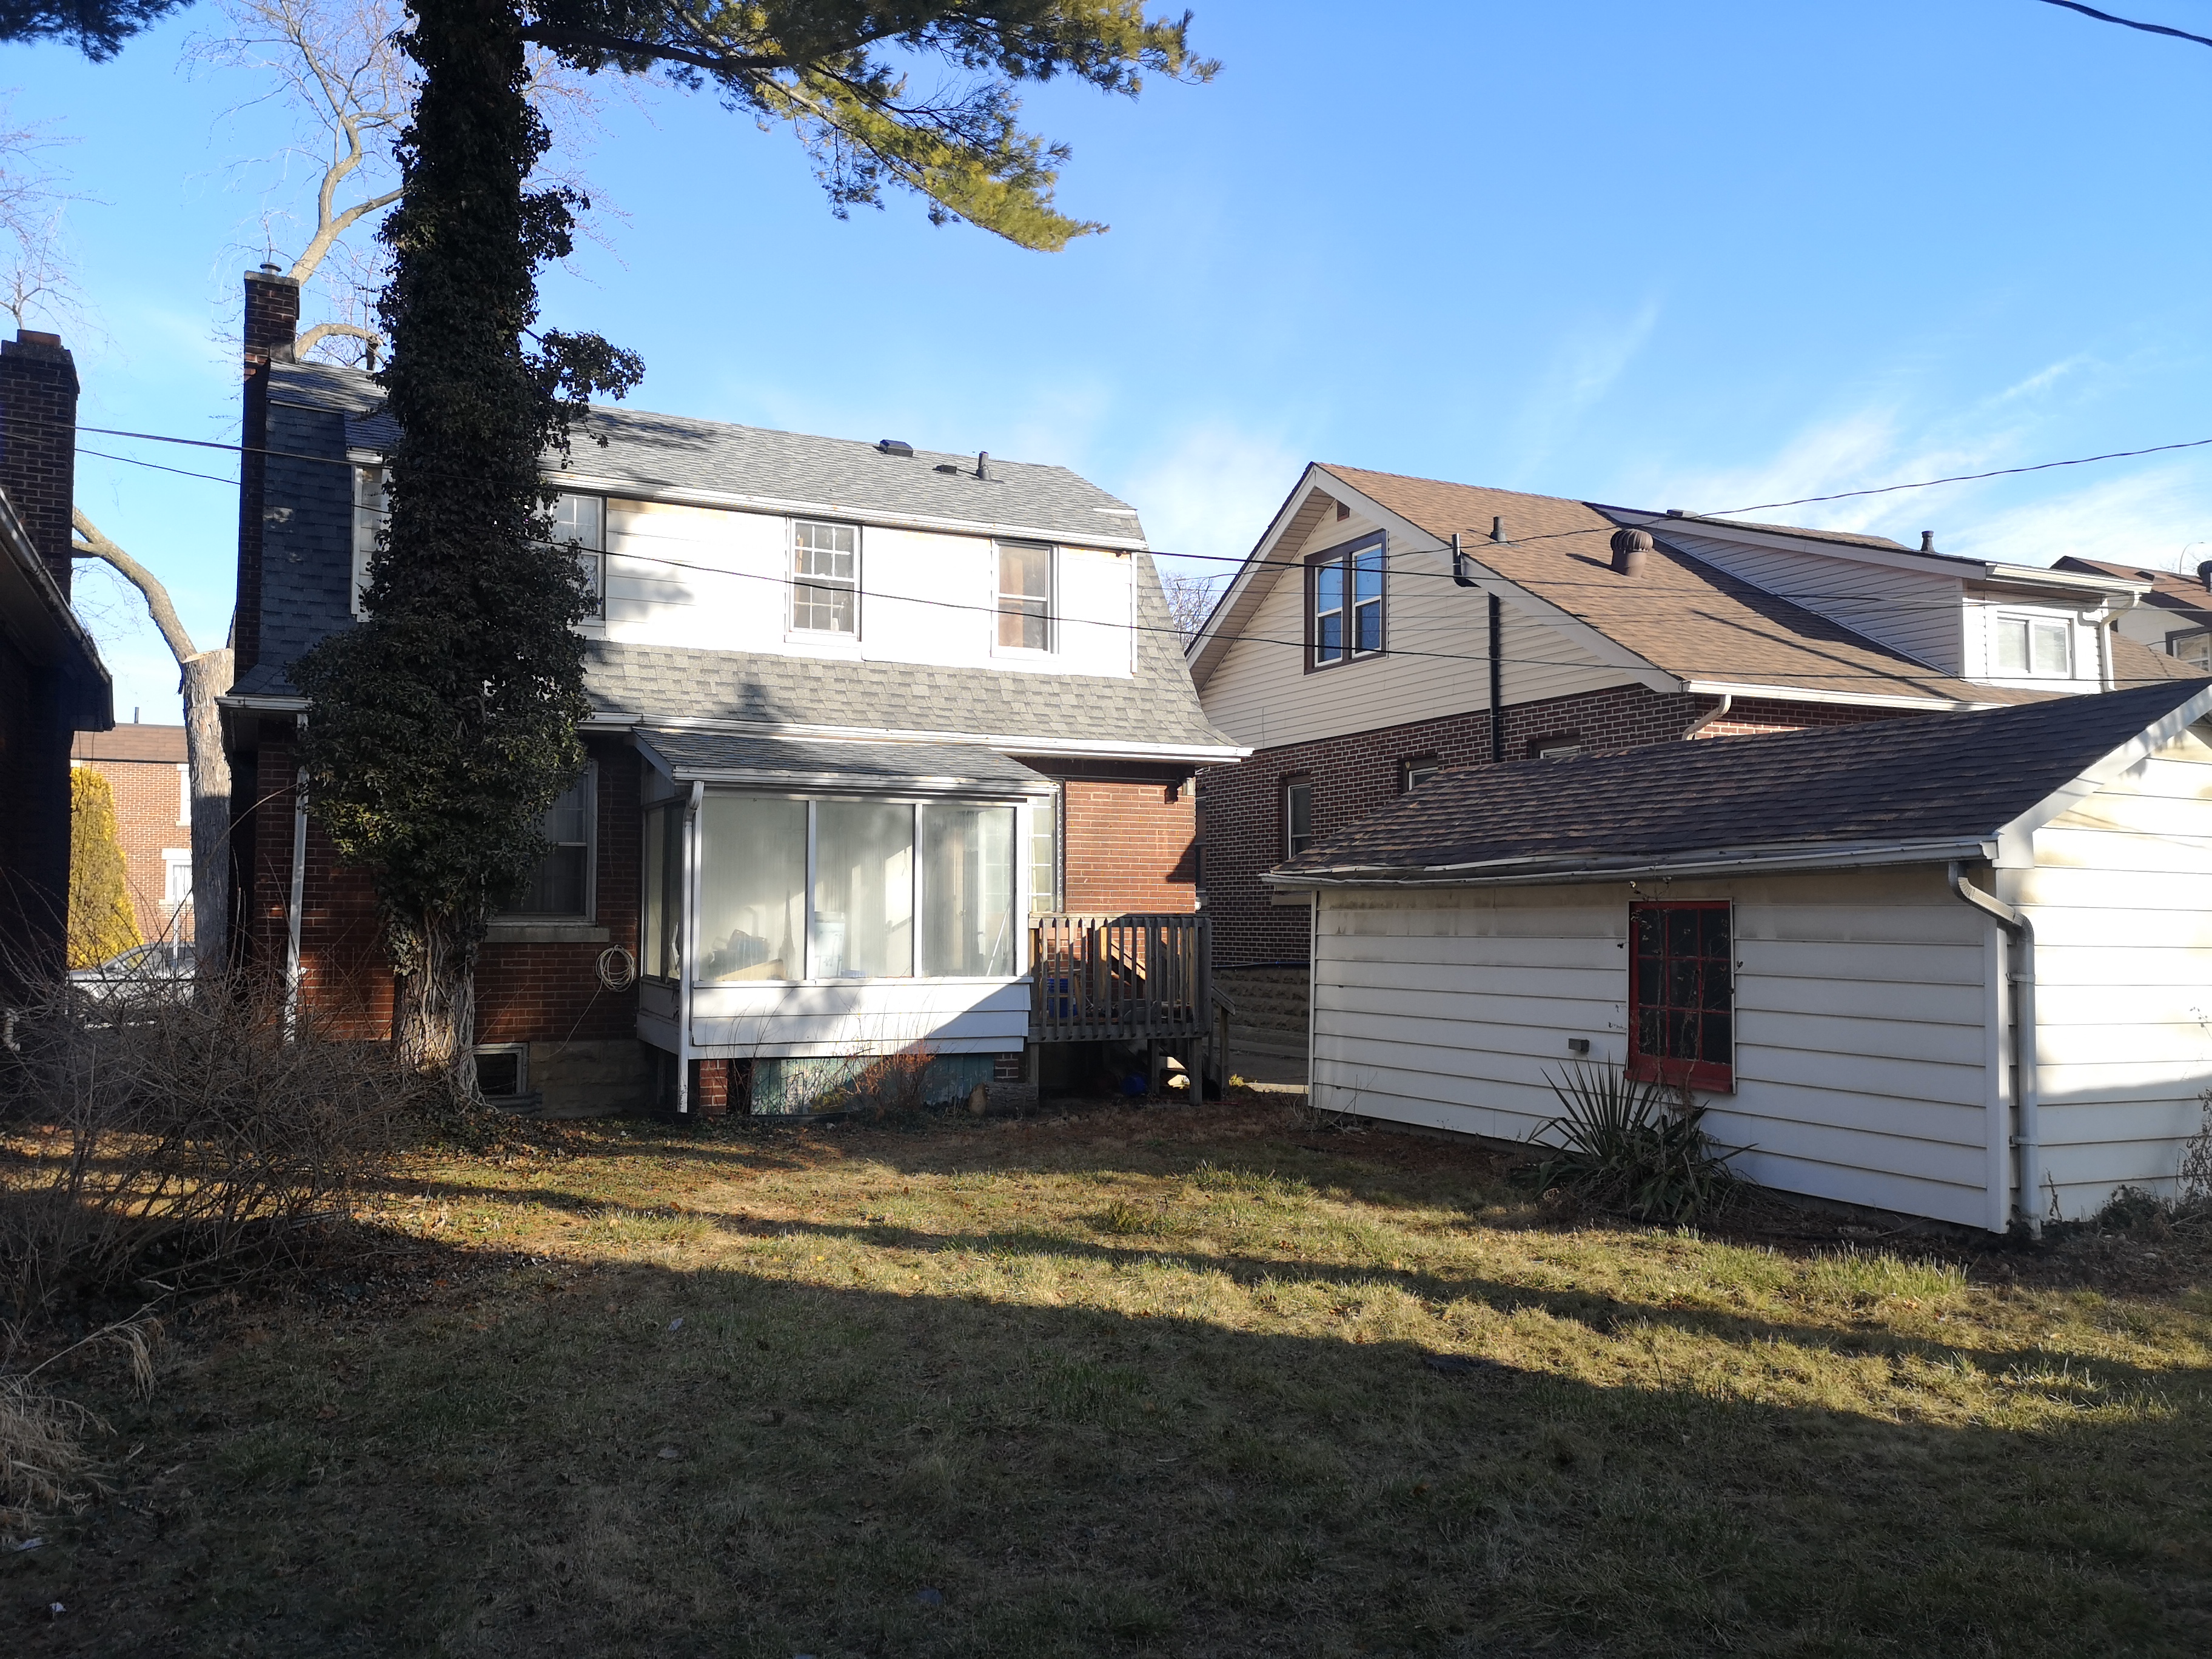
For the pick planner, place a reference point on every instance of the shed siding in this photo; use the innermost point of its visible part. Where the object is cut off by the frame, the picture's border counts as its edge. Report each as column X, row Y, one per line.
column 1261, row 694
column 2121, row 895
column 1861, row 1058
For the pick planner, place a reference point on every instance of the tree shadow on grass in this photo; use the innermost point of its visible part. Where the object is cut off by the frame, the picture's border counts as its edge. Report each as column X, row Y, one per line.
column 557, row 1465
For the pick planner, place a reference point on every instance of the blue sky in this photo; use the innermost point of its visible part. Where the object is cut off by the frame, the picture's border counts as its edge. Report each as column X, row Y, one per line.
column 1702, row 255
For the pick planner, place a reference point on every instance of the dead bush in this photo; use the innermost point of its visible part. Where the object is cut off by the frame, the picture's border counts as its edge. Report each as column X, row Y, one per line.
column 173, row 1136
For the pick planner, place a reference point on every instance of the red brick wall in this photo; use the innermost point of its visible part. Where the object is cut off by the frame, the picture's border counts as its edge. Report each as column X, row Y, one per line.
column 38, row 442
column 1358, row 774
column 146, row 798
column 1130, row 847
column 526, row 992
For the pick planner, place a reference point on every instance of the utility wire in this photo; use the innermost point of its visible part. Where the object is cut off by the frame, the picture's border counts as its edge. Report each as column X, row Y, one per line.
column 2129, row 22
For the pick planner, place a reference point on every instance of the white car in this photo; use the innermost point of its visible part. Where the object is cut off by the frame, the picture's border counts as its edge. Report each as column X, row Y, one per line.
column 143, row 969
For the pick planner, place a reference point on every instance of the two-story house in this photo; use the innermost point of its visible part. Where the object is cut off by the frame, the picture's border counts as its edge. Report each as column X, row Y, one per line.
column 890, row 753
column 1386, row 627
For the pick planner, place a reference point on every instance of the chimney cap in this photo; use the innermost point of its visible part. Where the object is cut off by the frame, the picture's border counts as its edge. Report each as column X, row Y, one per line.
column 38, row 336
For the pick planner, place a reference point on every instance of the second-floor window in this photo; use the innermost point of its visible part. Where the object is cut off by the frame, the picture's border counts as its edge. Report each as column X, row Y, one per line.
column 1344, row 603
column 1298, row 816
column 2036, row 646
column 825, row 577
column 582, row 520
column 1024, row 596
column 367, row 521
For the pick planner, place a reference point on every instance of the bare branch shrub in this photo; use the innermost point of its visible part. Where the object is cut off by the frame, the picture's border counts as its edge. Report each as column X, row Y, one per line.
column 178, row 1135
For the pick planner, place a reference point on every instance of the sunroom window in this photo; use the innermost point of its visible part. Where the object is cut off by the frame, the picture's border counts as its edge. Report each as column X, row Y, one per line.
column 878, row 868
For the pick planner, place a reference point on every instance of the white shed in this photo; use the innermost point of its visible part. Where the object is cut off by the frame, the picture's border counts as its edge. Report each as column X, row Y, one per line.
column 1957, row 965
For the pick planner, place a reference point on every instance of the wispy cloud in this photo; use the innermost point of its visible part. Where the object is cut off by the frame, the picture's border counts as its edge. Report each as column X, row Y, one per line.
column 1210, row 489
column 1585, row 366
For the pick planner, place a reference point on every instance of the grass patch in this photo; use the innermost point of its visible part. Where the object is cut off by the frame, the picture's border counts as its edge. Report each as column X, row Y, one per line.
column 1141, row 1383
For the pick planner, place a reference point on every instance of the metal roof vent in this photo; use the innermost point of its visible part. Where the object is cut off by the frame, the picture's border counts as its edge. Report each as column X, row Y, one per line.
column 983, row 464
column 895, row 447
column 1630, row 549
column 1497, row 528
column 1926, row 541
column 946, row 467
column 2204, row 574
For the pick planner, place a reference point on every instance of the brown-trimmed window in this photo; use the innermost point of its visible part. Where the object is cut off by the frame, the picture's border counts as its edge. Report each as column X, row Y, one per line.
column 1682, row 994
column 1412, row 774
column 1344, row 603
column 1298, row 816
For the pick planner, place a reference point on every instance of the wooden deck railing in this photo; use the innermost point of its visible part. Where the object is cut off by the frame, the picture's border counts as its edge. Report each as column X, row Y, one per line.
column 1134, row 976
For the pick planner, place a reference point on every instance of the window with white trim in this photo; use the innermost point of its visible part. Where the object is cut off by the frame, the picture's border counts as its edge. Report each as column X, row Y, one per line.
column 2192, row 646
column 560, row 886
column 580, row 522
column 1412, row 774
column 2041, row 648
column 368, row 516
column 176, row 877
column 1045, row 854
column 1344, row 603
column 1025, row 595
column 825, row 577
column 1298, row 816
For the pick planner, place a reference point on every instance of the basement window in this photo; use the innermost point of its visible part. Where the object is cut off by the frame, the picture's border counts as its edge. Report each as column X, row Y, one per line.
column 1682, row 994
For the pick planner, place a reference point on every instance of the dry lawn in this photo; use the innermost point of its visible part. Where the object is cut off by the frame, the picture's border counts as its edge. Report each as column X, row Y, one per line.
column 1138, row 1383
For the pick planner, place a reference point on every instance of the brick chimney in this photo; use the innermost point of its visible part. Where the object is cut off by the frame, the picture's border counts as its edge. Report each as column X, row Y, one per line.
column 38, row 441
column 272, row 321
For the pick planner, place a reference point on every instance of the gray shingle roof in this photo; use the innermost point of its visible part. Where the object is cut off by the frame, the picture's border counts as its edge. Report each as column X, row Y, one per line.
column 678, row 452
column 718, row 756
column 1931, row 779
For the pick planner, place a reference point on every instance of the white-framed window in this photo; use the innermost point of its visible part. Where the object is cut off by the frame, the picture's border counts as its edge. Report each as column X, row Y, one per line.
column 1026, row 610
column 562, row 883
column 2041, row 648
column 176, row 877
column 2192, row 646
column 1045, row 854
column 1298, row 816
column 368, row 516
column 183, row 794
column 581, row 520
column 825, row 577
column 1412, row 774
column 1344, row 603
column 852, row 888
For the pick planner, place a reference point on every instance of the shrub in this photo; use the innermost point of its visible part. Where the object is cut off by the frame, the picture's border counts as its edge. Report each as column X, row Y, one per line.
column 1636, row 1146
column 102, row 921
column 178, row 1134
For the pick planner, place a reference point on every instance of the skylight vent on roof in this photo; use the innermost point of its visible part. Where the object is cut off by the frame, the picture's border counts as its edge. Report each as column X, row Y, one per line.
column 895, row 447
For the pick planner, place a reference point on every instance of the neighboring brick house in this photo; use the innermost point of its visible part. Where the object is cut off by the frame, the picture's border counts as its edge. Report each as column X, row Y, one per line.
column 1355, row 652
column 146, row 772
column 861, row 717
column 52, row 684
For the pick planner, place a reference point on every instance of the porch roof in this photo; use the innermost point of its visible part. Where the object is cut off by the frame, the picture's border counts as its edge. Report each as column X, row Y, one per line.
column 925, row 769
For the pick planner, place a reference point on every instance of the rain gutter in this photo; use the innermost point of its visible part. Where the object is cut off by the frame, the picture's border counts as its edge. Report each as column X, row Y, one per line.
column 2028, row 1140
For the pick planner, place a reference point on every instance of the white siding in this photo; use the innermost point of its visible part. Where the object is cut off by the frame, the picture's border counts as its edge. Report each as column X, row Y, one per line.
column 2086, row 647
column 1914, row 611
column 952, row 1017
column 2121, row 895
column 1862, row 1055
column 1261, row 694
column 719, row 579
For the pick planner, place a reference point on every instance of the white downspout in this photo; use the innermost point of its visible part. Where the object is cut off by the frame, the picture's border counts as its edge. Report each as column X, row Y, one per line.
column 685, row 930
column 1718, row 711
column 2028, row 1137
column 297, row 900
column 1313, row 985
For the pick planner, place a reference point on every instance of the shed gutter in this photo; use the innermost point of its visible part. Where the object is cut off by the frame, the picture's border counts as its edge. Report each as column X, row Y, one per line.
column 1531, row 871
column 1930, row 704
column 2027, row 1090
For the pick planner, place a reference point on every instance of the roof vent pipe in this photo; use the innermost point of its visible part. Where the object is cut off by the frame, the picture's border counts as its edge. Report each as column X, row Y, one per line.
column 1630, row 549
column 983, row 464
column 1497, row 528
column 2204, row 574
column 1926, row 541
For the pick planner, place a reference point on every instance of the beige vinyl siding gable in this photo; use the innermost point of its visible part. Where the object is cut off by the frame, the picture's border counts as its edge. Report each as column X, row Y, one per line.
column 1436, row 662
column 1862, row 1064
column 2121, row 895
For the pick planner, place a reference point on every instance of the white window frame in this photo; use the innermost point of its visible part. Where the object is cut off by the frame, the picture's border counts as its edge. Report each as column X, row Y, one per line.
column 1412, row 774
column 597, row 555
column 367, row 520
column 1052, row 552
column 2030, row 622
column 175, row 859
column 1047, row 816
column 1291, row 847
column 2181, row 643
column 591, row 781
column 793, row 628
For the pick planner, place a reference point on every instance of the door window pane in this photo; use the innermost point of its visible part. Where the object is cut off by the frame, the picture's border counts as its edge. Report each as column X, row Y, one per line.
column 752, row 889
column 1044, row 856
column 967, row 889
column 863, row 891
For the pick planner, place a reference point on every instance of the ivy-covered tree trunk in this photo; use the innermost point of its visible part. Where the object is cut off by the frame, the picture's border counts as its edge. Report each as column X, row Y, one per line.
column 441, row 727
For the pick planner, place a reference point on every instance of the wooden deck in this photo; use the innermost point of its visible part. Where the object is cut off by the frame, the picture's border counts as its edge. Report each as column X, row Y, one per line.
column 1134, row 977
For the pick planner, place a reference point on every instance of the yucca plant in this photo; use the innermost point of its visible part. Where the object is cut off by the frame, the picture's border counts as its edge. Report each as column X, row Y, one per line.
column 1632, row 1144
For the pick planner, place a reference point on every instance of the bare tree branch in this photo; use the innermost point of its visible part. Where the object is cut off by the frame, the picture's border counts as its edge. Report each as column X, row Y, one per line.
column 310, row 338
column 38, row 278
column 91, row 544
column 2129, row 22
